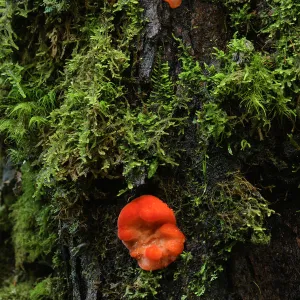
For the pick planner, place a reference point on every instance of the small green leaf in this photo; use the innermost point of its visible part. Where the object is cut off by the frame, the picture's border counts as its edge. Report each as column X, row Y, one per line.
column 152, row 168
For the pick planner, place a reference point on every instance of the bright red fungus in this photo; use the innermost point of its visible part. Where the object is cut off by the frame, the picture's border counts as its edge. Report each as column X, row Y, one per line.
column 147, row 227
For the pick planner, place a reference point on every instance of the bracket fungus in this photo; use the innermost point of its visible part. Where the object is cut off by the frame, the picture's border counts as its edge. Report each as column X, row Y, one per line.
column 147, row 227
column 174, row 3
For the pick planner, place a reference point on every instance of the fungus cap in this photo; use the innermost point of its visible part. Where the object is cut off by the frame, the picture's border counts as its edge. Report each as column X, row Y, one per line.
column 147, row 227
column 174, row 3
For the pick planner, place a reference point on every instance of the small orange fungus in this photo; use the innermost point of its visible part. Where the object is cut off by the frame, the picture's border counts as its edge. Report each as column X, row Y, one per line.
column 147, row 227
column 174, row 3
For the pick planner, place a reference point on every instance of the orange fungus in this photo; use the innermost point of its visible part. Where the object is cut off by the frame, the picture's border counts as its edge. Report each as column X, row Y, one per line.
column 174, row 3
column 147, row 227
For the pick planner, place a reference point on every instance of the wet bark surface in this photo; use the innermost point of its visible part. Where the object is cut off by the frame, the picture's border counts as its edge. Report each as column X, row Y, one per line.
column 253, row 272
column 269, row 272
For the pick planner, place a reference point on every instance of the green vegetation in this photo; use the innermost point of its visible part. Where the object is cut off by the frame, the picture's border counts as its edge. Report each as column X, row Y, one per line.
column 42, row 290
column 26, row 291
column 145, row 286
column 240, row 208
column 215, row 221
column 32, row 234
column 249, row 81
column 246, row 92
column 84, row 131
column 18, row 292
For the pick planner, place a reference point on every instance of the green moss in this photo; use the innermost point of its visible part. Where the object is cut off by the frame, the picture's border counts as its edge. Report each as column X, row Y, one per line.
column 240, row 209
column 28, row 290
column 145, row 286
column 279, row 20
column 213, row 122
column 93, row 88
column 248, row 79
column 42, row 290
column 214, row 221
column 31, row 218
column 20, row 291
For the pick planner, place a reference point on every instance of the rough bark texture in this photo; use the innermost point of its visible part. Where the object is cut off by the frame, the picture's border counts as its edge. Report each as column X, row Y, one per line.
column 269, row 272
column 253, row 272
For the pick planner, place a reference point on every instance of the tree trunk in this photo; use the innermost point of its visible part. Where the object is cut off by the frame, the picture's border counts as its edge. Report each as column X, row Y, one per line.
column 197, row 105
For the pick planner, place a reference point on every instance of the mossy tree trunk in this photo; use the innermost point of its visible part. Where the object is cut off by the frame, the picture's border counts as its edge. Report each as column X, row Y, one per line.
column 102, row 102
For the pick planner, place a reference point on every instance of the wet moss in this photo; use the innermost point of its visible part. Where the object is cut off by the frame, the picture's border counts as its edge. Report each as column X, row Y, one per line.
column 89, row 135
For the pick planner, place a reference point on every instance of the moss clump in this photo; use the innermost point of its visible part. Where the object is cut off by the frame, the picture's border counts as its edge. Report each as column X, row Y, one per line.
column 248, row 79
column 93, row 88
column 241, row 210
column 214, row 220
column 145, row 285
column 277, row 23
column 32, row 234
column 42, row 290
column 20, row 291
column 28, row 291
